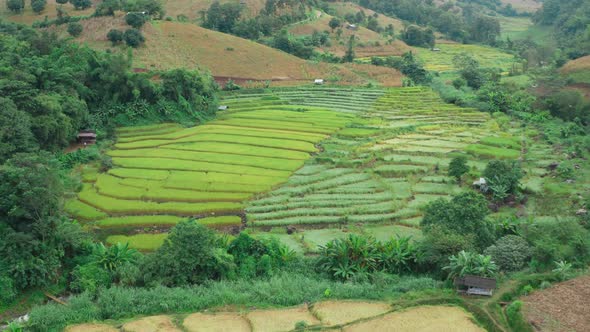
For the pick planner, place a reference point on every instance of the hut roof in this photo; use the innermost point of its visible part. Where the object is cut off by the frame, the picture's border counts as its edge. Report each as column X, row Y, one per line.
column 475, row 281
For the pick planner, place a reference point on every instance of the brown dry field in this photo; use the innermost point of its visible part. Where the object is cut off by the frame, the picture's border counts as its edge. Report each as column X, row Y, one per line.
column 91, row 328
column 365, row 39
column 280, row 319
column 28, row 16
column 185, row 45
column 579, row 64
column 343, row 8
column 151, row 324
column 220, row 322
column 529, row 6
column 335, row 314
column 192, row 8
column 562, row 307
column 422, row 319
column 342, row 312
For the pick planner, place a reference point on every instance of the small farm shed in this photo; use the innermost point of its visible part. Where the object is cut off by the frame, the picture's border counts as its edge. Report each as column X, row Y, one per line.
column 435, row 49
column 474, row 285
column 318, row 81
column 222, row 107
column 86, row 137
column 480, row 184
column 353, row 27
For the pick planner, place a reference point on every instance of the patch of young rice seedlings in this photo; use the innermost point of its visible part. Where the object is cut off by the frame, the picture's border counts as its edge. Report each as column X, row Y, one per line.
column 330, row 183
column 411, row 222
column 137, row 130
column 393, row 170
column 196, row 166
column 157, row 220
column 421, row 200
column 225, row 138
column 437, row 179
column 136, row 173
column 407, row 212
column 307, row 220
column 417, row 160
column 83, row 211
column 492, row 152
column 115, row 206
column 144, row 242
column 436, row 188
column 277, row 124
column 222, row 221
column 296, row 179
column 310, row 170
column 193, row 178
column 422, row 149
column 89, row 174
column 386, row 233
column 262, row 162
column 502, row 142
column 241, row 150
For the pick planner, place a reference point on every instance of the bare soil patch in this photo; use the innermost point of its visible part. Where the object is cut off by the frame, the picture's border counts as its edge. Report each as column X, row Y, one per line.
column 563, row 307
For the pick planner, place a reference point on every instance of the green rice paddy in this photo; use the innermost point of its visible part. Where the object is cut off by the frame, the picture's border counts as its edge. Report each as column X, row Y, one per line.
column 325, row 160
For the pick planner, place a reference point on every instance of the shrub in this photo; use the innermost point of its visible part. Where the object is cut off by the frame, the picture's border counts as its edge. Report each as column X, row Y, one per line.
column 190, row 254
column 75, row 29
column 89, row 278
column 515, row 319
column 458, row 167
column 510, row 252
column 440, row 243
column 505, row 174
column 135, row 19
column 15, row 5
column 7, row 290
column 464, row 214
column 133, row 37
column 62, row 2
column 81, row 4
column 465, row 263
column 115, row 36
column 38, row 5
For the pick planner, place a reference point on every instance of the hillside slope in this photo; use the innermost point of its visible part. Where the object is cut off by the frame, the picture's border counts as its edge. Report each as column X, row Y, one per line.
column 369, row 43
column 174, row 44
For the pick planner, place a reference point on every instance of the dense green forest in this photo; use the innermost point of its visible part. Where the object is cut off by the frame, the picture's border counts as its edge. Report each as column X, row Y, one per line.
column 51, row 88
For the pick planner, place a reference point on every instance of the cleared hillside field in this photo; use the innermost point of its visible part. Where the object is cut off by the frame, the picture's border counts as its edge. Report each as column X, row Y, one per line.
column 171, row 45
column 442, row 61
column 192, row 8
column 347, row 315
column 578, row 70
column 369, row 43
column 27, row 16
column 343, row 8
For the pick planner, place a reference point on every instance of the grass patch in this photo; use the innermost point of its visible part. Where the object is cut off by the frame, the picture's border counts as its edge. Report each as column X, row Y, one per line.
column 147, row 242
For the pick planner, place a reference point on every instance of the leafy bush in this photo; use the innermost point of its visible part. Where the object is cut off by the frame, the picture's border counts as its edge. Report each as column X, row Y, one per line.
column 89, row 278
column 115, row 36
column 510, row 252
column 15, row 6
column 75, row 29
column 81, row 4
column 558, row 240
column 191, row 254
column 358, row 256
column 506, row 174
column 468, row 263
column 38, row 5
column 458, row 167
column 133, row 37
column 135, row 19
column 7, row 290
column 464, row 214
column 515, row 319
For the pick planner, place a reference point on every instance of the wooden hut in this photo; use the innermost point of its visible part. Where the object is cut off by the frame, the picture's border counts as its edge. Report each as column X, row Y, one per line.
column 86, row 137
column 474, row 285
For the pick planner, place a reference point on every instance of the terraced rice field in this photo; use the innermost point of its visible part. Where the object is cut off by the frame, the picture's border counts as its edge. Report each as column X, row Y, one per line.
column 329, row 161
column 165, row 173
column 385, row 172
column 341, row 315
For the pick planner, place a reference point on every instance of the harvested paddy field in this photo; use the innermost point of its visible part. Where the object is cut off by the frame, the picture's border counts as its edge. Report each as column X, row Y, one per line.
column 343, row 315
column 562, row 307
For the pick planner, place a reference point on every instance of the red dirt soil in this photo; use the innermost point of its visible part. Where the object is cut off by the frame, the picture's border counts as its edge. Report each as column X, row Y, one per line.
column 562, row 307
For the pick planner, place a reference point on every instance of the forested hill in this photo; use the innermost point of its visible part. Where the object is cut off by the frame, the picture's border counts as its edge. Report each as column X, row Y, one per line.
column 51, row 88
